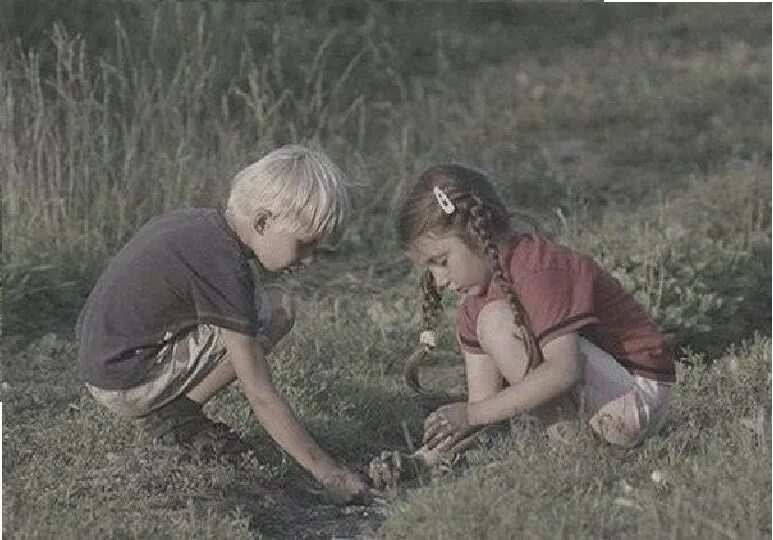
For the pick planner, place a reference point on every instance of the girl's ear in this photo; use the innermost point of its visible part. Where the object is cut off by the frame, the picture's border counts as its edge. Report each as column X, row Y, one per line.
column 261, row 221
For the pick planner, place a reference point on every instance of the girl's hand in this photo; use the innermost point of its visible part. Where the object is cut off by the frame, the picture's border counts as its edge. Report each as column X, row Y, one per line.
column 447, row 425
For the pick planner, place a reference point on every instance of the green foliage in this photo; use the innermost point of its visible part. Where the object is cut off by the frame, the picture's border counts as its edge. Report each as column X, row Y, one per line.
column 700, row 261
column 120, row 114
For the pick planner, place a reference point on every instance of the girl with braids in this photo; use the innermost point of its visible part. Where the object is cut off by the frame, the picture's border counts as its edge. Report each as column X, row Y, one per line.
column 543, row 329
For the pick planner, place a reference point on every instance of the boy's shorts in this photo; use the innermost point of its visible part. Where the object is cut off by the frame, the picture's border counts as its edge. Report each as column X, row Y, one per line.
column 179, row 366
column 623, row 408
column 182, row 364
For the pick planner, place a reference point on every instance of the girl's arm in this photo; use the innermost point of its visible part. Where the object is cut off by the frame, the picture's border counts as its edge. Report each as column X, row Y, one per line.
column 561, row 368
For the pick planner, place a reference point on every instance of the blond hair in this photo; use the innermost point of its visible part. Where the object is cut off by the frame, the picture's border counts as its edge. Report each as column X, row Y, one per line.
column 479, row 218
column 302, row 188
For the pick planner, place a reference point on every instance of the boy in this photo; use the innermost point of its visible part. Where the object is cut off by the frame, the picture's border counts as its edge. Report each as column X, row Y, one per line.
column 179, row 314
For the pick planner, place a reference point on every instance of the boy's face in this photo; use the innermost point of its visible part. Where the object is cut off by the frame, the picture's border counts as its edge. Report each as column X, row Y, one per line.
column 452, row 263
column 278, row 250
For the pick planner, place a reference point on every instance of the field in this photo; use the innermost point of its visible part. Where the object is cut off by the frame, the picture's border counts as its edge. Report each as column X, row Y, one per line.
column 640, row 134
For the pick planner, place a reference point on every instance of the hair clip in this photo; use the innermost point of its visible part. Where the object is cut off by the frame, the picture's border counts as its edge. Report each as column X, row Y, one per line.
column 443, row 200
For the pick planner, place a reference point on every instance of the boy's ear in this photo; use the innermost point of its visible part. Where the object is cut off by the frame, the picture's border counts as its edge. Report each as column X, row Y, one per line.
column 261, row 220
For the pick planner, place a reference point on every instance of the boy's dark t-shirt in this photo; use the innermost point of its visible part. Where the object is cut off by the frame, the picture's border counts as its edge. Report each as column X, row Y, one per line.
column 181, row 269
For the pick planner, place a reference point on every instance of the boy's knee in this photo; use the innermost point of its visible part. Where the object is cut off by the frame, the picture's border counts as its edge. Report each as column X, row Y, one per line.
column 119, row 402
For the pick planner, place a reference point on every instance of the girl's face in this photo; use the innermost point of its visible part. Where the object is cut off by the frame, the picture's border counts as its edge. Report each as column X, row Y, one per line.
column 452, row 263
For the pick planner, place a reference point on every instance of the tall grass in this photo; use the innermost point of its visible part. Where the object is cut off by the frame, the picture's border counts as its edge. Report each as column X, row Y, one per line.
column 92, row 149
column 95, row 143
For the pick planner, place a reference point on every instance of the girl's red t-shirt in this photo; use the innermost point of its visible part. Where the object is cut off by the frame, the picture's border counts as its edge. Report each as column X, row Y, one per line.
column 563, row 291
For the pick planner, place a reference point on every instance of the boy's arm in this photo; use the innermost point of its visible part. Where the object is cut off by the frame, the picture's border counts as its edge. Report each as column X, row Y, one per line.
column 270, row 408
column 560, row 370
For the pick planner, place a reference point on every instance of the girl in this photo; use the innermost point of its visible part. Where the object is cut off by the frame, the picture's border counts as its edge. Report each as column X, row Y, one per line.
column 543, row 329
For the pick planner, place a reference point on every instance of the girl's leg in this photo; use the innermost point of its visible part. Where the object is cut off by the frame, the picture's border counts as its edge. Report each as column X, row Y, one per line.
column 560, row 415
column 619, row 421
column 620, row 407
column 483, row 376
column 484, row 379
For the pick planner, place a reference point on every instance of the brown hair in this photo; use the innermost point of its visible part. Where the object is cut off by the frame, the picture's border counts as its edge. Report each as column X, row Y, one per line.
column 479, row 219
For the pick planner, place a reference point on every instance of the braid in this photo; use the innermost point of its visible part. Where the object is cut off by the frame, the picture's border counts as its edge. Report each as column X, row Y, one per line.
column 430, row 307
column 479, row 222
column 431, row 300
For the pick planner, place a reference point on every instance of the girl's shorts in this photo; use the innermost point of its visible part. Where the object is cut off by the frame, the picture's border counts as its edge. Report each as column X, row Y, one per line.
column 182, row 364
column 623, row 408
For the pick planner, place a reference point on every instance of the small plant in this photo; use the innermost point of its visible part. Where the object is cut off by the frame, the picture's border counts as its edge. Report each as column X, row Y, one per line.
column 702, row 272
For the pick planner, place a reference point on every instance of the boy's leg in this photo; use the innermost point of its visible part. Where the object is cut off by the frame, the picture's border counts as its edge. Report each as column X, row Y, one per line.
column 216, row 380
column 174, row 418
column 182, row 419
column 160, row 408
column 190, row 371
column 276, row 318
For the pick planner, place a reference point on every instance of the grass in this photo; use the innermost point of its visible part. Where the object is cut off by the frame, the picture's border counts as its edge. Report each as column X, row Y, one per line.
column 711, row 480
column 642, row 137
column 71, row 466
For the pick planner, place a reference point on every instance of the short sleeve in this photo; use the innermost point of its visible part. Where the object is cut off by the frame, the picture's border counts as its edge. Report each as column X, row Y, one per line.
column 225, row 296
column 558, row 300
column 218, row 279
column 466, row 328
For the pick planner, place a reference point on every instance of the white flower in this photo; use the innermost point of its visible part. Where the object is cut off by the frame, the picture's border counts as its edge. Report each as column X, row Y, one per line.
column 657, row 477
column 428, row 338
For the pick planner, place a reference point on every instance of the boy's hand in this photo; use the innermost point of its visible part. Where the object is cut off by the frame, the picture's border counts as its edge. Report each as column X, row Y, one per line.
column 346, row 487
column 448, row 424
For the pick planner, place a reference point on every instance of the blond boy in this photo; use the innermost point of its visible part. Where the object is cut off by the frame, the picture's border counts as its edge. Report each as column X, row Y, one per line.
column 179, row 313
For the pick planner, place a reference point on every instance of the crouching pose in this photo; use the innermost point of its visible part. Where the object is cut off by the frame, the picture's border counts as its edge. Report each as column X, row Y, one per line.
column 180, row 313
column 543, row 329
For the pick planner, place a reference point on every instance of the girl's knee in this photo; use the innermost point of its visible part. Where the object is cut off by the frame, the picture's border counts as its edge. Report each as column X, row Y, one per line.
column 624, row 421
